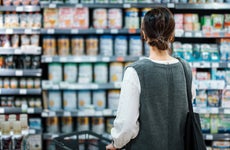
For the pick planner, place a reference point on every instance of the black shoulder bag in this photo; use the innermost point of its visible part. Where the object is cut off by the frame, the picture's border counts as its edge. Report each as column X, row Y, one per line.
column 193, row 138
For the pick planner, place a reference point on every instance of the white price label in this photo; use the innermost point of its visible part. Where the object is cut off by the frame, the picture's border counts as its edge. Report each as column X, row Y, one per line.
column 94, row 86
column 74, row 31
column 19, row 8
column 171, row 5
column 18, row 72
column 114, row 31
column 52, row 113
column 127, row 5
column 117, row 85
column 52, row 5
column 209, row 137
column 63, row 59
column 25, row 132
column 92, row 59
column 188, row 34
column 205, row 64
column 50, row 31
column 202, row 111
column 78, row 5
column 30, row 110
column 214, row 110
column 99, row 31
column 44, row 114
column 98, row 113
column 195, row 64
column 22, row 91
column 48, row 59
column 226, row 111
column 198, row 34
column 66, row 113
column 28, row 31
column 32, row 131
column 54, row 136
column 107, row 112
column 9, row 31
column 17, row 51
column 2, row 110
column 81, row 113
column 215, row 65
column 105, row 59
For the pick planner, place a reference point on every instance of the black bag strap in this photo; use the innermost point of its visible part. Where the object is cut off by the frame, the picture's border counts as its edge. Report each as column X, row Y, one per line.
column 188, row 85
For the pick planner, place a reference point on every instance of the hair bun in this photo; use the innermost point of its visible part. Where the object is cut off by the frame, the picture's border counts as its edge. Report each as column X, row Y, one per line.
column 159, row 43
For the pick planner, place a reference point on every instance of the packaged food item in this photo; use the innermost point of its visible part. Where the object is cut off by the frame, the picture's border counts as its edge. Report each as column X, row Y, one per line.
column 116, row 71
column 206, row 23
column 14, row 20
column 77, row 45
column 85, row 73
column 67, row 125
column 38, row 102
column 30, row 83
column 224, row 126
column 226, row 98
column 109, row 125
column 82, row 123
column 132, row 18
column 213, row 98
column 113, row 99
column 99, row 98
column 98, row 125
column 106, row 45
column 92, row 45
column 70, row 100
column 220, row 145
column 70, row 72
column 35, row 2
column 217, row 21
column 26, row 62
column 201, row 75
column 34, row 39
column 9, row 62
column 120, row 45
column 23, row 83
column 37, row 18
column 55, row 72
column 6, row 137
column 201, row 98
column 49, row 45
column 13, row 83
column 100, row 18
column 67, row 21
column 25, row 40
column 135, row 46
column 6, row 83
column 2, row 61
column 7, row 20
column 35, row 62
column 52, row 125
column 1, row 20
column 26, row 2
column 84, row 99
column 115, row 18
column 7, row 2
column 205, row 52
column 81, row 18
column 63, row 46
column 205, row 123
column 5, row 41
column 100, row 73
column 23, row 20
column 37, row 83
column 30, row 20
column 15, row 41
column 1, row 83
column 50, row 18
column 214, row 123
column 188, row 52
column 226, row 21
column 54, row 100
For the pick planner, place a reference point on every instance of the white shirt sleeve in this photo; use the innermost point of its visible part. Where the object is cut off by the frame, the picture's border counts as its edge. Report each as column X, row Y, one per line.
column 126, row 125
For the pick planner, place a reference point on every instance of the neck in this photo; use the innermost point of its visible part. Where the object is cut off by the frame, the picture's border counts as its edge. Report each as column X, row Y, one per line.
column 161, row 55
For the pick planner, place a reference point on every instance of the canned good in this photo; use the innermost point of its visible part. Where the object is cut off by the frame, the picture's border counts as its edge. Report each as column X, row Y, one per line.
column 120, row 46
column 54, row 99
column 100, row 73
column 92, row 46
column 30, row 83
column 55, row 72
column 132, row 18
column 84, row 99
column 6, row 83
column 63, row 46
column 13, row 83
column 49, row 46
column 52, row 125
column 83, row 123
column 113, row 99
column 99, row 98
column 70, row 72
column 81, row 18
column 77, row 45
column 98, row 125
column 116, row 71
column 106, row 45
column 67, row 125
column 109, row 125
column 85, row 73
column 115, row 18
column 23, row 83
column 135, row 46
column 100, row 18
column 70, row 100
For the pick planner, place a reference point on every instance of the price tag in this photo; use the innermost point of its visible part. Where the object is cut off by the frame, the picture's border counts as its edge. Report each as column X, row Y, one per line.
column 81, row 113
column 28, row 31
column 205, row 64
column 198, row 34
column 203, row 111
column 74, row 31
column 127, row 5
column 171, row 5
column 44, row 114
column 120, row 59
column 188, row 34
column 25, row 132
column 214, row 110
column 98, row 113
column 105, row 59
column 52, row 5
column 18, row 72
column 226, row 111
column 9, row 31
column 50, row 31
column 48, row 59
column 107, row 112
column 117, row 85
column 54, row 136
column 215, row 65
column 32, row 131
column 92, row 59
column 78, row 5
column 66, row 113
column 19, row 8
column 99, row 31
column 195, row 64
column 63, row 59
column 94, row 86
column 132, row 31
column 52, row 113
column 22, row 91
column 30, row 110
column 114, row 31
column 2, row 110
column 209, row 137
column 17, row 51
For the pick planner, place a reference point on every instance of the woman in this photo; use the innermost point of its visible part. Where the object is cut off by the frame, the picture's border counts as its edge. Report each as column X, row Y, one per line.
column 153, row 102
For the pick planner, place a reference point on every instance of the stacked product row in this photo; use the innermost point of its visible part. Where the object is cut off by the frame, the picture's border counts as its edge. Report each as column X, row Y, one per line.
column 105, row 45
column 219, row 145
column 19, row 2
column 70, row 100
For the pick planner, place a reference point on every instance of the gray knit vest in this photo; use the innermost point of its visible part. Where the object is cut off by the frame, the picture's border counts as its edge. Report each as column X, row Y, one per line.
column 163, row 106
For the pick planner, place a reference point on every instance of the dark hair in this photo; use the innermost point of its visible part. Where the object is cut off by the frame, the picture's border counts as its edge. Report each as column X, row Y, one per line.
column 158, row 26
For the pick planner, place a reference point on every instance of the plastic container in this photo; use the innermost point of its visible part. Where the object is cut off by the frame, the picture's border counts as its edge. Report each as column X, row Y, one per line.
column 54, row 100
column 132, row 19
column 106, row 45
column 99, row 99
column 77, row 45
column 55, row 72
column 121, row 46
column 70, row 72
column 135, row 46
column 115, row 18
column 69, row 100
column 100, row 73
column 85, row 73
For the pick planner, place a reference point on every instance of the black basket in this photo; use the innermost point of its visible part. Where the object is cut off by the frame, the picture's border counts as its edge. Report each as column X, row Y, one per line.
column 83, row 140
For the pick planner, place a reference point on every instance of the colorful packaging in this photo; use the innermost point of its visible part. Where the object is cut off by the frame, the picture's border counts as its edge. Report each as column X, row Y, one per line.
column 217, row 21
column 106, row 45
column 67, row 21
column 206, row 23
column 224, row 126
column 81, row 18
column 100, row 18
column 121, row 46
column 99, row 98
column 226, row 98
column 55, row 72
column 227, row 21
column 215, row 121
column 213, row 98
column 7, row 2
column 49, row 45
column 116, row 71
column 188, row 52
column 85, row 73
column 70, row 100
column 70, row 72
column 92, row 46
column 50, row 18
column 67, row 125
column 205, row 123
column 77, row 45
column 115, row 18
column 63, row 46
column 55, row 101
column 132, row 18
column 84, row 99
column 135, row 46
column 100, row 73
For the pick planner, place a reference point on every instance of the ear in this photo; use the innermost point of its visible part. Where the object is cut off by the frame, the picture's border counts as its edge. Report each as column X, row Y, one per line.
column 143, row 35
column 171, row 39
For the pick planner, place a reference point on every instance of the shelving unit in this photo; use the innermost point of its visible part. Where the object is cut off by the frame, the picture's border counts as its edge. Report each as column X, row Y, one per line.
column 30, row 50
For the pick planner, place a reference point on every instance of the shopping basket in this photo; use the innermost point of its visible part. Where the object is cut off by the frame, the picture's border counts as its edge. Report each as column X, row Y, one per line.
column 83, row 140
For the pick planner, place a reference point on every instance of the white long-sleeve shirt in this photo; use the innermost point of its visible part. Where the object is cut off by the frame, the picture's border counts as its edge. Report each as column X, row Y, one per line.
column 126, row 125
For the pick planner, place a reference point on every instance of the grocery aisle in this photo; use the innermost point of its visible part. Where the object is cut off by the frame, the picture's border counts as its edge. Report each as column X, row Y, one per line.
column 61, row 64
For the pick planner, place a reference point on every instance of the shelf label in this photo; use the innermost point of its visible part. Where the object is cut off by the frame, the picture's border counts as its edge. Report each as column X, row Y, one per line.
column 214, row 110
column 188, row 34
column 92, row 59
column 18, row 72
column 54, row 136
column 127, row 5
column 66, row 113
column 50, row 31
column 132, row 31
column 202, row 111
column 74, row 31
column 22, row 91
column 9, row 31
column 205, row 64
column 117, row 85
column 94, row 86
column 78, row 5
column 30, row 110
column 215, row 65
column 48, row 59
column 99, row 31
column 195, row 64
column 170, row 5
column 209, row 137
column 17, row 51
column 44, row 114
column 2, row 110
column 81, row 113
column 32, row 131
column 19, row 8
column 226, row 111
column 52, row 113
column 105, row 59
column 98, row 113
column 63, row 59
column 198, row 34
column 107, row 112
column 52, row 5
column 120, row 59
column 114, row 31
column 28, row 31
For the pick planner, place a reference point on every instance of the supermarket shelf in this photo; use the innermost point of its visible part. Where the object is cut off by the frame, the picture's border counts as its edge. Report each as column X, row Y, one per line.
column 20, row 91
column 209, row 110
column 33, row 50
column 218, row 6
column 201, row 34
column 79, row 113
column 210, row 84
column 78, row 59
column 216, row 136
column 49, row 85
column 15, row 110
column 17, row 72
column 20, row 8
column 204, row 64
column 19, row 31
column 98, row 5
column 90, row 31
